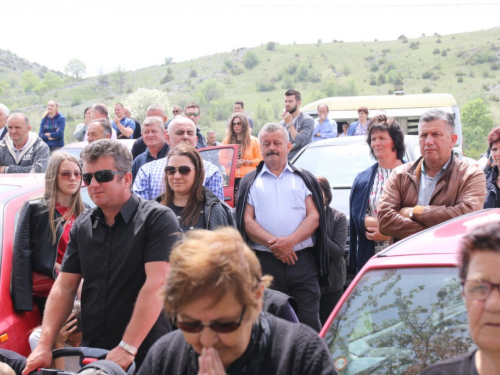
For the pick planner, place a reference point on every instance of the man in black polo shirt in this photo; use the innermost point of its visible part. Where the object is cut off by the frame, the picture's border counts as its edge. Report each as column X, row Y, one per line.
column 121, row 249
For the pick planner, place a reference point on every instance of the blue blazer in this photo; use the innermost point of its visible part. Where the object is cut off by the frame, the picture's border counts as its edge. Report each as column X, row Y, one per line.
column 360, row 248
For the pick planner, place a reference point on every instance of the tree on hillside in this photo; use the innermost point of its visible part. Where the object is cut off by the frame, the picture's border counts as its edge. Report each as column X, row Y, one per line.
column 209, row 90
column 250, row 60
column 29, row 81
column 140, row 100
column 52, row 80
column 477, row 122
column 41, row 89
column 119, row 78
column 75, row 68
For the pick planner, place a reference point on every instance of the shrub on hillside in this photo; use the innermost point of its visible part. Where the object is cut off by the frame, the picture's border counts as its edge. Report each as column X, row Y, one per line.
column 167, row 78
column 374, row 67
column 460, row 79
column 193, row 73
column 250, row 60
column 443, row 53
column 495, row 66
column 426, row 89
column 270, row 46
column 405, row 40
column 381, row 79
column 76, row 101
column 264, row 85
column 373, row 80
column 141, row 99
column 414, row 45
column 436, row 51
column 210, row 90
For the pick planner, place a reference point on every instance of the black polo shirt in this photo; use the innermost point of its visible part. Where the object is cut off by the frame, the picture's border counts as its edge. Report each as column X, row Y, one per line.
column 111, row 261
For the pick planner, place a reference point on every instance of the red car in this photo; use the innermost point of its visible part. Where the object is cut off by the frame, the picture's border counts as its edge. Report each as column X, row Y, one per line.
column 404, row 310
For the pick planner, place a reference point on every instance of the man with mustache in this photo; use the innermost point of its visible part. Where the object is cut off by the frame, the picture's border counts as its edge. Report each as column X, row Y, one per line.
column 300, row 125
column 435, row 188
column 280, row 213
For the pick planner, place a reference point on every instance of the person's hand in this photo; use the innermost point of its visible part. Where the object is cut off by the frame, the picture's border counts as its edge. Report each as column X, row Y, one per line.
column 317, row 135
column 65, row 331
column 2, row 169
column 405, row 212
column 40, row 357
column 239, row 163
column 116, row 120
column 372, row 233
column 120, row 356
column 288, row 118
column 209, row 362
column 282, row 248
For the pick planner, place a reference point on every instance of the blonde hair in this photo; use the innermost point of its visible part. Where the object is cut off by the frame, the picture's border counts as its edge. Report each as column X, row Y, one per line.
column 213, row 263
column 47, row 112
column 76, row 206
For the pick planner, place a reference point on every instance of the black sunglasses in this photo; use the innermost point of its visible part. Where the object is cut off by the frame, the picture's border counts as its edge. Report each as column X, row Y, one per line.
column 197, row 327
column 105, row 175
column 183, row 170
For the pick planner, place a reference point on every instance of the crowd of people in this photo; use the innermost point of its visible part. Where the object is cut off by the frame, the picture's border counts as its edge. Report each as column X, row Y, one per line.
column 238, row 280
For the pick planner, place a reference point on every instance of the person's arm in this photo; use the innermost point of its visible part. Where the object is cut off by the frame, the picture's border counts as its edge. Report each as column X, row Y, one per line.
column 338, row 239
column 391, row 222
column 284, row 245
column 21, row 280
column 41, row 134
column 59, row 133
column 253, row 229
column 41, row 155
column 303, row 137
column 256, row 155
column 57, row 310
column 80, row 131
column 127, row 131
column 214, row 182
column 372, row 230
column 141, row 183
column 146, row 311
column 332, row 130
column 470, row 198
column 316, row 130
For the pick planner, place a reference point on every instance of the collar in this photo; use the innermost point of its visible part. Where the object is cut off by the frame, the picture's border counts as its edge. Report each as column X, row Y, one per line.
column 265, row 169
column 126, row 212
column 441, row 170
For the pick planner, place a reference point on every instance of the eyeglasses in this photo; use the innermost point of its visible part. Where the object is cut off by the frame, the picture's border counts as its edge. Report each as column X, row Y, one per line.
column 66, row 175
column 236, row 123
column 478, row 289
column 191, row 114
column 183, row 170
column 105, row 175
column 197, row 327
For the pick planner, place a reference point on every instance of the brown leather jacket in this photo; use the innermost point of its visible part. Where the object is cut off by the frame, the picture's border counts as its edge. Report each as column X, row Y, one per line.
column 461, row 190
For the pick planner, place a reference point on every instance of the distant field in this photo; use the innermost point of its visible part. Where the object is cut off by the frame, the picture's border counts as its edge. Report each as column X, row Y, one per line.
column 465, row 65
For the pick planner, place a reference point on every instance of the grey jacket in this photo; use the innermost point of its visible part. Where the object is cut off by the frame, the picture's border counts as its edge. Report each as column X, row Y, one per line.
column 336, row 225
column 33, row 159
column 217, row 213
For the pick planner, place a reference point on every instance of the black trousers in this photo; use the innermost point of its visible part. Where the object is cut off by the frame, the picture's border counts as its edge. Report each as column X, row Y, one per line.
column 299, row 281
column 327, row 303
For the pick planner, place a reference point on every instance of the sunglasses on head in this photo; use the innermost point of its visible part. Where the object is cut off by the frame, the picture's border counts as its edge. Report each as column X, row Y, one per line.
column 183, row 170
column 197, row 327
column 105, row 175
column 66, row 175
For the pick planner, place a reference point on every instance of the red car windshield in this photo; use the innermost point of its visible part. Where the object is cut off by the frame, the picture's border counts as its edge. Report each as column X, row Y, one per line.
column 400, row 321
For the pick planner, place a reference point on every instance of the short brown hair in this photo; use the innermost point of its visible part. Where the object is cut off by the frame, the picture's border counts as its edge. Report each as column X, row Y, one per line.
column 363, row 109
column 294, row 92
column 494, row 136
column 193, row 105
column 212, row 263
column 485, row 237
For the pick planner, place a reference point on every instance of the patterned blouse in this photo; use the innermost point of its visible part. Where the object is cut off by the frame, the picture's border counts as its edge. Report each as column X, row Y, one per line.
column 372, row 210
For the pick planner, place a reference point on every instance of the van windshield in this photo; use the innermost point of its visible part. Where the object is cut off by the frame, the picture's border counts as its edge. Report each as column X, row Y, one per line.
column 400, row 321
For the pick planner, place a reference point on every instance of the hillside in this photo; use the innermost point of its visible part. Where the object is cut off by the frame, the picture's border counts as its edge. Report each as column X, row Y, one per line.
column 465, row 65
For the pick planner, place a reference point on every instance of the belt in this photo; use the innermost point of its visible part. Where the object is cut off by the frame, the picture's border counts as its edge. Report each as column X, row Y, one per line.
column 269, row 254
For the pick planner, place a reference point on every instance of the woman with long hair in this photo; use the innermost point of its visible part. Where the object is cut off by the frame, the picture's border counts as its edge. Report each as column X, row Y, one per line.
column 52, row 127
column 195, row 206
column 81, row 129
column 43, row 229
column 249, row 155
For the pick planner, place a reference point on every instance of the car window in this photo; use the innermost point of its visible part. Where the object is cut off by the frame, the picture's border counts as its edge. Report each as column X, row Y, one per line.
column 222, row 159
column 339, row 164
column 400, row 321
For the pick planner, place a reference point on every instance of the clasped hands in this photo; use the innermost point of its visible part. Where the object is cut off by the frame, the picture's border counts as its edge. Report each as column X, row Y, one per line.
column 282, row 248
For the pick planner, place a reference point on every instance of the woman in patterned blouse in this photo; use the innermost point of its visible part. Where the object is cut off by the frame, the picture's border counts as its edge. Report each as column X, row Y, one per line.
column 386, row 141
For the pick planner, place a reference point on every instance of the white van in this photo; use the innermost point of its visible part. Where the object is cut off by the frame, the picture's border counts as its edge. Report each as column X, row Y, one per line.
column 406, row 109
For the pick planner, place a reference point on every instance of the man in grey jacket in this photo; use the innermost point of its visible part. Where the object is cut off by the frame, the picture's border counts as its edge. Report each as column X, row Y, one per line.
column 22, row 151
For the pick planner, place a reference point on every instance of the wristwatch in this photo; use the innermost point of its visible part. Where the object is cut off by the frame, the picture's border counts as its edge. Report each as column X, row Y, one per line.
column 128, row 348
column 410, row 214
column 288, row 126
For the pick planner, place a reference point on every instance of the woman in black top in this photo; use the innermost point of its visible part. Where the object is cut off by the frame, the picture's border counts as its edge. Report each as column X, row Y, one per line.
column 336, row 223
column 195, row 206
column 492, row 177
column 214, row 294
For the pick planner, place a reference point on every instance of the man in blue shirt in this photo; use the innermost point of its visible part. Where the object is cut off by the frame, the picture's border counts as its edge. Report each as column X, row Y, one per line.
column 123, row 125
column 324, row 127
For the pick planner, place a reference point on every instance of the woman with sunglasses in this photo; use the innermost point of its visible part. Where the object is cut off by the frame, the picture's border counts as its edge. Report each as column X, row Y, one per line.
column 195, row 206
column 43, row 229
column 249, row 155
column 214, row 294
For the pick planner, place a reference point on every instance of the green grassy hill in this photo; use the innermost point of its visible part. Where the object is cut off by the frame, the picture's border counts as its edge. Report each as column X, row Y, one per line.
column 465, row 65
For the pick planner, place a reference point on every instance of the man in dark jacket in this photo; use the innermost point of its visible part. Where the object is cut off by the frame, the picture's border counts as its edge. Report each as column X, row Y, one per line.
column 280, row 213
